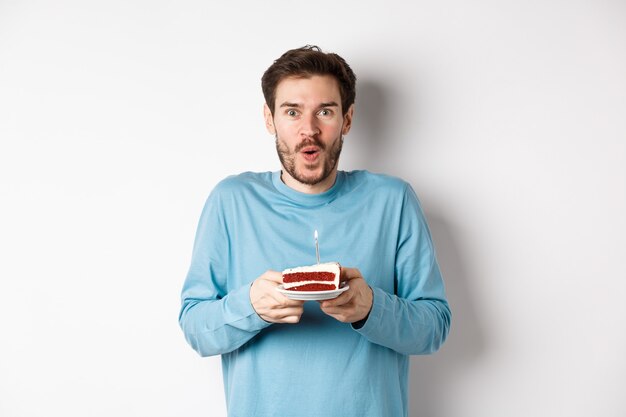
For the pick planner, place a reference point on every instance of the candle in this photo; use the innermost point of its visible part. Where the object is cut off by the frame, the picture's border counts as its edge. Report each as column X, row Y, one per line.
column 317, row 248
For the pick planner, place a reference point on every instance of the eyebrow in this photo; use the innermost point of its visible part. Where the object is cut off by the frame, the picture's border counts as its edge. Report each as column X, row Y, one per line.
column 288, row 104
column 297, row 105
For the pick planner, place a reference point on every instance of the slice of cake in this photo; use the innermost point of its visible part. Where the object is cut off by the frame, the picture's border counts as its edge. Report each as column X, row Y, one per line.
column 320, row 277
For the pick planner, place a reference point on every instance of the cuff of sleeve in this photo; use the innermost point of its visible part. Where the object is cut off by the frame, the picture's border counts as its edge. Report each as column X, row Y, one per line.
column 247, row 318
column 373, row 320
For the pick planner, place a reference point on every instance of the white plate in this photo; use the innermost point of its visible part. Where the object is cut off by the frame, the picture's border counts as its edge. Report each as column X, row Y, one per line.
column 312, row 295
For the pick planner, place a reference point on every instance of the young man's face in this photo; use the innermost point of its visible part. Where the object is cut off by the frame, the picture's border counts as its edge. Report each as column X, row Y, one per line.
column 308, row 124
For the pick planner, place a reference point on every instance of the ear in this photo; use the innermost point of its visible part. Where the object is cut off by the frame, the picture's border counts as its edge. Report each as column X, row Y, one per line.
column 269, row 120
column 347, row 120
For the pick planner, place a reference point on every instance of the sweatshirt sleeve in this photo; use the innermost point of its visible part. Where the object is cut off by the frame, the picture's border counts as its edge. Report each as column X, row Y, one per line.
column 416, row 319
column 214, row 318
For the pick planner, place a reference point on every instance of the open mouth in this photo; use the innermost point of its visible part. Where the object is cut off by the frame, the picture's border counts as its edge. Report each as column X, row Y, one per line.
column 310, row 152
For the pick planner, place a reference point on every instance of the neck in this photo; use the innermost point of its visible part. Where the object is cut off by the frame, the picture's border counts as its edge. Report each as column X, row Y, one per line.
column 318, row 188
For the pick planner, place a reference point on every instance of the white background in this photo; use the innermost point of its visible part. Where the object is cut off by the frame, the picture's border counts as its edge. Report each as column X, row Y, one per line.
column 118, row 117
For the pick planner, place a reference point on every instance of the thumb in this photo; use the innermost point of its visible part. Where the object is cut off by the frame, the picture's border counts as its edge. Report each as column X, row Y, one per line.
column 350, row 273
column 273, row 276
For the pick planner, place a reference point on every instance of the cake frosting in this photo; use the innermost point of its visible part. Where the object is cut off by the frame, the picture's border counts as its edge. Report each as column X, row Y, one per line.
column 320, row 277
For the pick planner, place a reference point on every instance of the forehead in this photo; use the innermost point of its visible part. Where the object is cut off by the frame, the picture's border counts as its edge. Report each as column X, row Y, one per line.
column 313, row 89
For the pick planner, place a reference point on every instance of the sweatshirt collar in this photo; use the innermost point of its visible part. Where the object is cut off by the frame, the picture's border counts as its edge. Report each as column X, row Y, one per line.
column 305, row 199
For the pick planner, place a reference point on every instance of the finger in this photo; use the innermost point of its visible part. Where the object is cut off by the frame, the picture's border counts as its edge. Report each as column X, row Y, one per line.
column 283, row 314
column 291, row 303
column 280, row 301
column 333, row 310
column 339, row 314
column 287, row 312
column 342, row 299
column 349, row 273
column 273, row 276
column 291, row 319
column 272, row 300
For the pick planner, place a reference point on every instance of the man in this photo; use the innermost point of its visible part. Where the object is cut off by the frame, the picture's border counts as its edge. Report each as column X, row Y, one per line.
column 342, row 357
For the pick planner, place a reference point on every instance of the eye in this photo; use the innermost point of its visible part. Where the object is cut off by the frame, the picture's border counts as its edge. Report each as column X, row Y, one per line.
column 292, row 113
column 325, row 112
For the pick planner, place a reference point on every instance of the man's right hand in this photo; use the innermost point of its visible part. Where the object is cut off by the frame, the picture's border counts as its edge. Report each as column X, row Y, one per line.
column 271, row 305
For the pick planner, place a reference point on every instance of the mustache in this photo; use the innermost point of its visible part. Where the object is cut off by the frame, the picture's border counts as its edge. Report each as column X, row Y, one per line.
column 310, row 142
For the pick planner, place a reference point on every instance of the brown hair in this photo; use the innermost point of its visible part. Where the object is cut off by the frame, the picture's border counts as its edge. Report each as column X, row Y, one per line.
column 305, row 62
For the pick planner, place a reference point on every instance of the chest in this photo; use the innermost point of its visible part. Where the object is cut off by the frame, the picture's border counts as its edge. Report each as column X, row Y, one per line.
column 361, row 234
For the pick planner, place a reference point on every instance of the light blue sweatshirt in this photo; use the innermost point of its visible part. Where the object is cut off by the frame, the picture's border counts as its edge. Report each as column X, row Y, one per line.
column 319, row 367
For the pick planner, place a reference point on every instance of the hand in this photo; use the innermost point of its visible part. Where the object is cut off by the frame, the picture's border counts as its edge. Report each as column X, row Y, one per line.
column 355, row 303
column 271, row 305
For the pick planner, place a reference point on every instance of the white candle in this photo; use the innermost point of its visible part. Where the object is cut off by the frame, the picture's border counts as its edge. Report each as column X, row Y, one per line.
column 317, row 248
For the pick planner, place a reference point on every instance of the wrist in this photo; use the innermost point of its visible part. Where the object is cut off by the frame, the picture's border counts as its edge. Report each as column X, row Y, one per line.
column 360, row 323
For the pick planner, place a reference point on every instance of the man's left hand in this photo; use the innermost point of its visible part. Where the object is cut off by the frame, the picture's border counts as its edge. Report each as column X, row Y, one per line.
column 355, row 303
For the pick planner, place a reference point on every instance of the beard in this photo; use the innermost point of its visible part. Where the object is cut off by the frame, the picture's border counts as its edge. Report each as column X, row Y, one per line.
column 329, row 159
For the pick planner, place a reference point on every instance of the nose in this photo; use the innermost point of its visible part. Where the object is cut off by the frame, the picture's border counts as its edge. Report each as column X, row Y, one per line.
column 309, row 126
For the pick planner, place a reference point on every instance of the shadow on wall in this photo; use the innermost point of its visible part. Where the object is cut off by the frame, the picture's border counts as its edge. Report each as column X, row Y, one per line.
column 367, row 139
column 431, row 375
column 380, row 116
